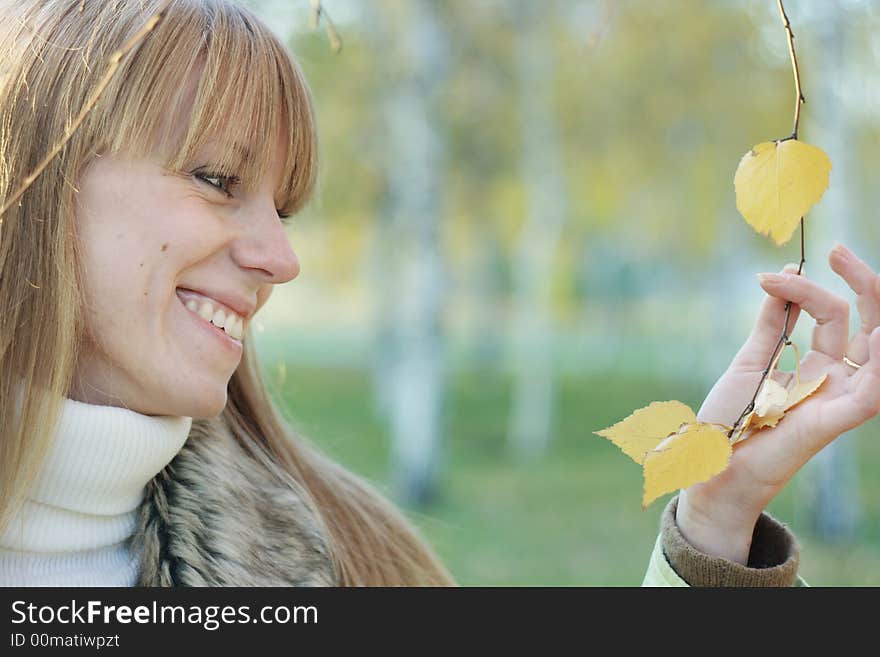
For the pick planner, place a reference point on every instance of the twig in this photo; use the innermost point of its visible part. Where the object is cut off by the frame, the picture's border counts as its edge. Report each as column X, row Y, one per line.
column 799, row 97
column 92, row 101
column 784, row 338
column 319, row 12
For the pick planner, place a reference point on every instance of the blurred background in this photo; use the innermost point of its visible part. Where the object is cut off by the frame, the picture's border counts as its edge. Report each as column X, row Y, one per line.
column 526, row 228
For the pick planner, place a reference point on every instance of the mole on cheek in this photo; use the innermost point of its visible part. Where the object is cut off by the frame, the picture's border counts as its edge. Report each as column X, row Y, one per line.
column 165, row 246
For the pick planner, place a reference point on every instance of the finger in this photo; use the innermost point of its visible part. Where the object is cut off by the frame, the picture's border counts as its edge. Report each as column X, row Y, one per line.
column 860, row 403
column 864, row 282
column 767, row 330
column 831, row 312
column 857, row 351
column 856, row 272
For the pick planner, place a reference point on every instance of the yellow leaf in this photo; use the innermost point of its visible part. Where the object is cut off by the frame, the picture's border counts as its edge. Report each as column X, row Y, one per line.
column 773, row 401
column 647, row 427
column 771, row 398
column 695, row 455
column 777, row 182
column 770, row 419
column 769, row 405
column 802, row 390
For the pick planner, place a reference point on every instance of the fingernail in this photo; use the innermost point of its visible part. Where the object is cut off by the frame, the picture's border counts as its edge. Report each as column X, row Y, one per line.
column 842, row 251
column 791, row 268
column 771, row 278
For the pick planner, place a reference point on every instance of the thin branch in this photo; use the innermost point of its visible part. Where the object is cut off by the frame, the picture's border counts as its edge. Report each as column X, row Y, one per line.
column 799, row 96
column 318, row 12
column 92, row 101
column 784, row 338
column 771, row 365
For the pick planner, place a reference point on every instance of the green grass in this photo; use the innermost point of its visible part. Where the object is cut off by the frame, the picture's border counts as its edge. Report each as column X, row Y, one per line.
column 572, row 517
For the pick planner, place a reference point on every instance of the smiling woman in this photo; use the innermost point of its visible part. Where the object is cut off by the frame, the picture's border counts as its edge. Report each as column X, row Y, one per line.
column 131, row 269
column 138, row 442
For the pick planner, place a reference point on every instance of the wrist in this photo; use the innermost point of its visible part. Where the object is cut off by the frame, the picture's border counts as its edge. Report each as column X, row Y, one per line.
column 714, row 530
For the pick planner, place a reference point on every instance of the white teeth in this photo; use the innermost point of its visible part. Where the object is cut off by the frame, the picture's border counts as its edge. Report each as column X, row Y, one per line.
column 233, row 328
column 219, row 318
column 231, row 323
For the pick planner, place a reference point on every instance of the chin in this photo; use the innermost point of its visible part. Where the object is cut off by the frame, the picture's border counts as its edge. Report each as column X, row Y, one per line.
column 204, row 406
column 205, row 409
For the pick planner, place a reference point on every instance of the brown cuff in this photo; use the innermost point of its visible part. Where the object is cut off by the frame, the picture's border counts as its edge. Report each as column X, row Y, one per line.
column 773, row 558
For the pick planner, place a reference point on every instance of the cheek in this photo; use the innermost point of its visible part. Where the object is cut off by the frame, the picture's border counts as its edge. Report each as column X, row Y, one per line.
column 116, row 263
column 115, row 299
column 123, row 276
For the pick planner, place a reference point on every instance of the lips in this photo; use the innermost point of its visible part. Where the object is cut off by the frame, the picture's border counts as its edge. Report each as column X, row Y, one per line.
column 213, row 332
column 241, row 305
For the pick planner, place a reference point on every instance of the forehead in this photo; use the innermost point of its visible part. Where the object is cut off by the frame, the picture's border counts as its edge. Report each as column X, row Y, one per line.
column 182, row 131
column 213, row 82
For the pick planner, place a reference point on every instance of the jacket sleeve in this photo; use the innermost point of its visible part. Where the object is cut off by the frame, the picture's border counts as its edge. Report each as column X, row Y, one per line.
column 773, row 559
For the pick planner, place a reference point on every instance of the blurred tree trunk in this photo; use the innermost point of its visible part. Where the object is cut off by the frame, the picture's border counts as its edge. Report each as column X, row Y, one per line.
column 410, row 342
column 377, row 258
column 830, row 482
column 532, row 410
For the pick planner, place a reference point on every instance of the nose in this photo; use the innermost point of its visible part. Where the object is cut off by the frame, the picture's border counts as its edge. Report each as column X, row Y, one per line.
column 265, row 247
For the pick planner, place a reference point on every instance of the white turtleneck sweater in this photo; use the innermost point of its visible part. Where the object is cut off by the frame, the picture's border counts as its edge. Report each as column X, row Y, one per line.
column 73, row 530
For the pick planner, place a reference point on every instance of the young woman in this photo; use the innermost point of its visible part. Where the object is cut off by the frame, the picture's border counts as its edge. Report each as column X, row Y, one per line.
column 139, row 444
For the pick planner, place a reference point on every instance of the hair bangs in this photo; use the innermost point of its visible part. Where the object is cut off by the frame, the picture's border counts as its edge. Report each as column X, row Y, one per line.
column 250, row 100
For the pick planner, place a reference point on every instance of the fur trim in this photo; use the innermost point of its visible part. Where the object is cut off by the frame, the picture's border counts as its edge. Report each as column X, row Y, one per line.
column 216, row 517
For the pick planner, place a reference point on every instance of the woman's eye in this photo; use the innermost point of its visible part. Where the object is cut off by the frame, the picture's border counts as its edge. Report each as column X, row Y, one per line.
column 224, row 183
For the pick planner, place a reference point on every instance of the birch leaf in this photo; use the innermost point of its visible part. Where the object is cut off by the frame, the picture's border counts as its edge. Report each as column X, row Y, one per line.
column 777, row 182
column 771, row 398
column 771, row 419
column 802, row 390
column 768, row 407
column 647, row 427
column 696, row 454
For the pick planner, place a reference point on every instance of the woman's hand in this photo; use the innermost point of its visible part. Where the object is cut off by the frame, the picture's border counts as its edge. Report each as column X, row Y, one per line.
column 718, row 517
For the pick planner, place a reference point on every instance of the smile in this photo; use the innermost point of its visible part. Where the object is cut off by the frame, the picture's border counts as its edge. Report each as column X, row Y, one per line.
column 214, row 313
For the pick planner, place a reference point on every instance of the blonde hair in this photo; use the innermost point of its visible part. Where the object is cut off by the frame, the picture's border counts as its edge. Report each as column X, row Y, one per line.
column 53, row 55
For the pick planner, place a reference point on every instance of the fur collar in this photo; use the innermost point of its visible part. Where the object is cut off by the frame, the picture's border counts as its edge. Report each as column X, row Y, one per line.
column 216, row 517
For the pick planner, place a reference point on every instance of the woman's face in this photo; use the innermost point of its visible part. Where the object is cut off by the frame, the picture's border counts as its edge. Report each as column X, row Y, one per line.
column 162, row 251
